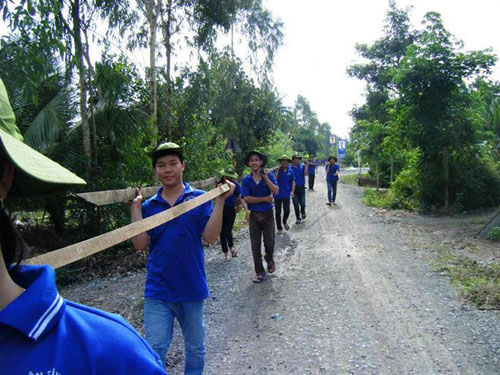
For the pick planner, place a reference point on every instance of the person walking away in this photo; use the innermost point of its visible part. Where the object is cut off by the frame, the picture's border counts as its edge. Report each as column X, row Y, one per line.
column 300, row 170
column 229, row 213
column 176, row 282
column 286, row 184
column 41, row 332
column 311, row 172
column 256, row 190
column 332, row 177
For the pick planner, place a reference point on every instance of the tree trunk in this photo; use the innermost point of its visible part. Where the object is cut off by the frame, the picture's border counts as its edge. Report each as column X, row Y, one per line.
column 446, row 178
column 152, row 11
column 378, row 176
column 75, row 12
column 168, row 52
column 392, row 168
column 93, row 128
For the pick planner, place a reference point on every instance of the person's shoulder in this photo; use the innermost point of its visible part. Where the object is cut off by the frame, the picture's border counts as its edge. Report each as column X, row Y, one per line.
column 111, row 339
column 246, row 179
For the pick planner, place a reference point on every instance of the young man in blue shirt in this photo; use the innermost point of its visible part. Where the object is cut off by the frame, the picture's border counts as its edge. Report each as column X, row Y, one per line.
column 257, row 189
column 311, row 172
column 41, row 332
column 286, row 184
column 300, row 170
column 176, row 283
column 332, row 176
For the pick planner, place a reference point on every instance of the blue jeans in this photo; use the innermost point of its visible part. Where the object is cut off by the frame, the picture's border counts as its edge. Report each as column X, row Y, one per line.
column 159, row 327
column 299, row 198
column 332, row 190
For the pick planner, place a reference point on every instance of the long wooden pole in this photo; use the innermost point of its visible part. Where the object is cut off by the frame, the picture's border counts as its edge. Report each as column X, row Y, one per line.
column 72, row 253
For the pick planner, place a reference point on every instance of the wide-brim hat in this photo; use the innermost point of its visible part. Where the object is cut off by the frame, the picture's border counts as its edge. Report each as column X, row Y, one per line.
column 228, row 172
column 284, row 157
column 164, row 146
column 296, row 155
column 35, row 174
column 259, row 154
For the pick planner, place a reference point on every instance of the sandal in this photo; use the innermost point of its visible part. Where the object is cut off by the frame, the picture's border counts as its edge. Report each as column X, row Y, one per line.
column 234, row 253
column 271, row 267
column 259, row 279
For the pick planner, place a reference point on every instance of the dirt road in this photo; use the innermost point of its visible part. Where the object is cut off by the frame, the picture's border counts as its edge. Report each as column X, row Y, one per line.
column 354, row 293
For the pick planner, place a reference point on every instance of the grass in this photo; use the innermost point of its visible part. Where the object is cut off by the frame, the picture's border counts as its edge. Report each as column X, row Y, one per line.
column 352, row 179
column 477, row 283
column 494, row 235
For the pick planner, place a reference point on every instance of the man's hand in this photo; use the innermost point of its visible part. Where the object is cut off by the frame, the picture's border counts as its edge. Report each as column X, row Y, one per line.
column 137, row 202
column 227, row 194
column 269, row 199
column 292, row 195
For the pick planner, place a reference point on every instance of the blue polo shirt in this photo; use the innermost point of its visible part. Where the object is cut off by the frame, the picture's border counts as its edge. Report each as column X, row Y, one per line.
column 300, row 179
column 312, row 170
column 250, row 188
column 42, row 333
column 176, row 262
column 331, row 173
column 231, row 201
column 285, row 180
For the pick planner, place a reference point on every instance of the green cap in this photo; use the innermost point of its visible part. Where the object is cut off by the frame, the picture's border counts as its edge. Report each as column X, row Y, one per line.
column 296, row 155
column 35, row 174
column 306, row 156
column 285, row 157
column 228, row 172
column 164, row 146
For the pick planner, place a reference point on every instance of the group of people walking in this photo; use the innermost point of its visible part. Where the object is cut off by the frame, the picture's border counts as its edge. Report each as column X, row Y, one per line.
column 41, row 332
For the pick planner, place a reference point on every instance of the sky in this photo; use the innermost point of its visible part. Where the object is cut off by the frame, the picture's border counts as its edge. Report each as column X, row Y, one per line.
column 320, row 36
column 319, row 44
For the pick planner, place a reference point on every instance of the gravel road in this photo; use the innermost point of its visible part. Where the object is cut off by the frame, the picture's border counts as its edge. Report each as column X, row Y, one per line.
column 354, row 293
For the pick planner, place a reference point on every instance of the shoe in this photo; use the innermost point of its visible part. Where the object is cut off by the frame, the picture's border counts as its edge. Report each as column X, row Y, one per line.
column 234, row 253
column 280, row 231
column 271, row 267
column 303, row 216
column 259, row 279
column 334, row 204
column 287, row 227
column 226, row 257
column 328, row 203
column 297, row 221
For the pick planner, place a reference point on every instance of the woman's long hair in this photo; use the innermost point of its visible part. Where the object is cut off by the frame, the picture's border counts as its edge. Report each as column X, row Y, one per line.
column 13, row 246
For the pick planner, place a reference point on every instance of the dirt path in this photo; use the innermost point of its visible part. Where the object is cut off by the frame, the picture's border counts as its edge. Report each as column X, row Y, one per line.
column 354, row 293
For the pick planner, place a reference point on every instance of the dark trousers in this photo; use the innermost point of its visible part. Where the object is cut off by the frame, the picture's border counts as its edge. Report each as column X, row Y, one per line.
column 299, row 199
column 262, row 225
column 332, row 190
column 311, row 181
column 286, row 211
column 226, row 233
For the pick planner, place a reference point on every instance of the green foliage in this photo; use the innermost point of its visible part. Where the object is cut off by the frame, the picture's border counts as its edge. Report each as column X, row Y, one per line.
column 494, row 234
column 380, row 199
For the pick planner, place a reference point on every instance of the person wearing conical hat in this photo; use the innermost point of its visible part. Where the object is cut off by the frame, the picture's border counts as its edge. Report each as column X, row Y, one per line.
column 176, row 281
column 41, row 332
column 300, row 170
column 229, row 214
column 286, row 183
column 257, row 189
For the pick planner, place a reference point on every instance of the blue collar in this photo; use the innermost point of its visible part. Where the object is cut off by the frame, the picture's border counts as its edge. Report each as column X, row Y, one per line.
column 37, row 310
column 187, row 191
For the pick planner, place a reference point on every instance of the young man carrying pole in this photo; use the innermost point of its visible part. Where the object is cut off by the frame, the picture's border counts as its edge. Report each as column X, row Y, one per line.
column 176, row 284
column 300, row 170
column 256, row 190
column 286, row 184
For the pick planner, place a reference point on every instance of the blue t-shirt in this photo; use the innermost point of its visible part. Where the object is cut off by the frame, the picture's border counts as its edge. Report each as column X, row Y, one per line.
column 176, row 262
column 312, row 170
column 42, row 333
column 231, row 201
column 250, row 188
column 330, row 176
column 285, row 180
column 300, row 179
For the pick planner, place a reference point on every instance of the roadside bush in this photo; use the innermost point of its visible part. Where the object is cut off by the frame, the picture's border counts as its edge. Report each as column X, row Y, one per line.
column 405, row 188
column 494, row 235
column 380, row 199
